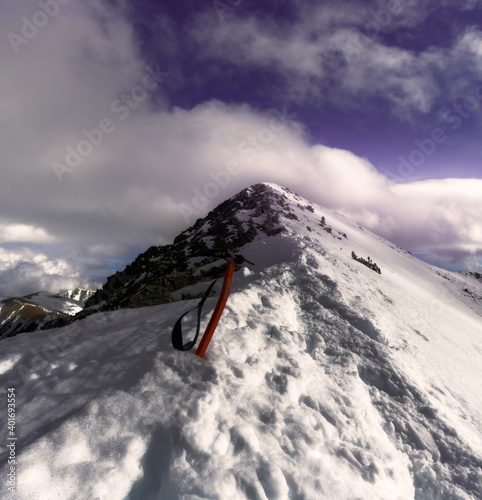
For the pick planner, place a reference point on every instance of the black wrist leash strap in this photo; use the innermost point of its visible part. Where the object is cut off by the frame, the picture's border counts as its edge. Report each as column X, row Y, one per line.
column 177, row 330
column 176, row 337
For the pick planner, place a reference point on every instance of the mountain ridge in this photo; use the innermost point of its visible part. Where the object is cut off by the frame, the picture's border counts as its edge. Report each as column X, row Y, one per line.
column 170, row 263
column 324, row 378
column 255, row 210
column 39, row 311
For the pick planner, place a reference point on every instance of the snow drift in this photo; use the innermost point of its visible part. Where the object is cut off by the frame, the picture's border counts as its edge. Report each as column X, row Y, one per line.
column 324, row 380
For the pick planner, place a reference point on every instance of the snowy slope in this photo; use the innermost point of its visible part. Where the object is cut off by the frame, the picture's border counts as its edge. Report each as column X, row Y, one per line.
column 324, row 380
column 58, row 302
column 80, row 295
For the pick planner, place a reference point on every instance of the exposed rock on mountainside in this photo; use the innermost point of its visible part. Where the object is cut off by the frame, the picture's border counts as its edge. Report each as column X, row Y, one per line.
column 161, row 270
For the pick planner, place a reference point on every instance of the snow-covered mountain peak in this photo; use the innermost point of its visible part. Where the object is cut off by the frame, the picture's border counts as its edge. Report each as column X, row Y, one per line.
column 80, row 295
column 285, row 223
column 342, row 367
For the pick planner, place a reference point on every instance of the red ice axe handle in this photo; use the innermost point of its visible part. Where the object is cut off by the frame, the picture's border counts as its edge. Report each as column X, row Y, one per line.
column 218, row 310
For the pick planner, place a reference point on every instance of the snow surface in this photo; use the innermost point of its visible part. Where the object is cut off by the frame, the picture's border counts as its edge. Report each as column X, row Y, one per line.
column 324, row 380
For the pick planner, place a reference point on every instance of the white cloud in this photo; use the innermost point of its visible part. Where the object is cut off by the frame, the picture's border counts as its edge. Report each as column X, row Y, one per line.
column 329, row 54
column 27, row 268
column 470, row 4
column 23, row 233
column 440, row 216
column 61, row 82
column 24, row 271
column 402, row 77
column 469, row 49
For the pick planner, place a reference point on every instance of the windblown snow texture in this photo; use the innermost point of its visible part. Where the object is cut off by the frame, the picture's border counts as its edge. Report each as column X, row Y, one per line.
column 324, row 380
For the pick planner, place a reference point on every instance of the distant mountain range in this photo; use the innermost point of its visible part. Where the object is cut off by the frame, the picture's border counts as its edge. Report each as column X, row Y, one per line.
column 40, row 310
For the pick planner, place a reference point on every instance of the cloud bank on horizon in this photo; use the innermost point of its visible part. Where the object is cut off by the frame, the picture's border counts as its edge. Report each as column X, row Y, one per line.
column 124, row 123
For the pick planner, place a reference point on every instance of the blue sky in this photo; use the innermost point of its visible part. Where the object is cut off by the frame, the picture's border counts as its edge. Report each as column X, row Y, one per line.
column 125, row 121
